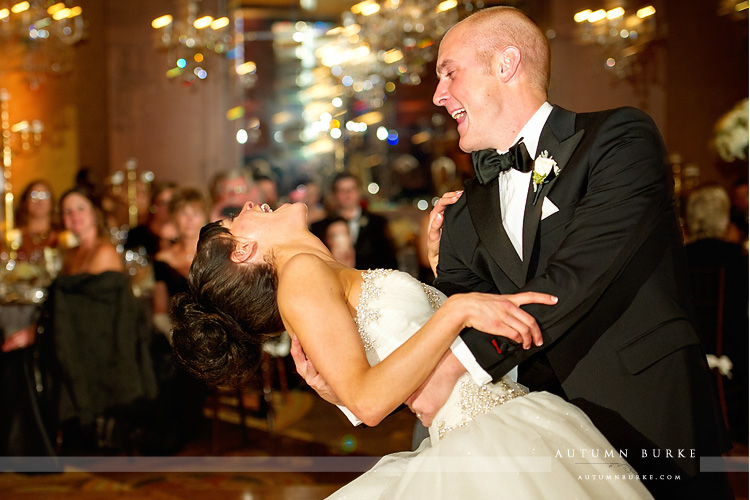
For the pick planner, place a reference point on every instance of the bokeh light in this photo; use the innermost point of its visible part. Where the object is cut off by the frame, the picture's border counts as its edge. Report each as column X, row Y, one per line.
column 348, row 443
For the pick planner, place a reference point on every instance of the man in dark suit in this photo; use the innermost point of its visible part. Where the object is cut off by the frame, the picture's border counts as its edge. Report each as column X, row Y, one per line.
column 373, row 246
column 591, row 221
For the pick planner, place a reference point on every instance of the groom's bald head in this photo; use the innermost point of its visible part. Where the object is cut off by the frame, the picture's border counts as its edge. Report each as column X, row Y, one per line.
column 495, row 28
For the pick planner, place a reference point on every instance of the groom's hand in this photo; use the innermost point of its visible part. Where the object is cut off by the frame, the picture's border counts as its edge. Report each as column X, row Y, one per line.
column 308, row 372
column 434, row 392
column 435, row 230
column 501, row 314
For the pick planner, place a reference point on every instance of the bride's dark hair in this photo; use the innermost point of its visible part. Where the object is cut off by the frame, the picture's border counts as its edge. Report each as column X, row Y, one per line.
column 220, row 325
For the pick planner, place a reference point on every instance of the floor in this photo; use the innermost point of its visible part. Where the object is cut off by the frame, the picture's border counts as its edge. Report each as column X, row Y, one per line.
column 312, row 452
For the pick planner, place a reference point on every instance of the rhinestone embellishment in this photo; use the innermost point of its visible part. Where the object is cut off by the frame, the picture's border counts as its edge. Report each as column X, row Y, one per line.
column 366, row 315
column 433, row 296
column 477, row 400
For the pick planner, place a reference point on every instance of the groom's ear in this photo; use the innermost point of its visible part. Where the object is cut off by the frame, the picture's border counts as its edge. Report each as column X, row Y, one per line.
column 509, row 60
column 244, row 250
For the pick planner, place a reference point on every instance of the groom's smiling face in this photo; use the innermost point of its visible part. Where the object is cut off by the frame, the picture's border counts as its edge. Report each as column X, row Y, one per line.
column 468, row 91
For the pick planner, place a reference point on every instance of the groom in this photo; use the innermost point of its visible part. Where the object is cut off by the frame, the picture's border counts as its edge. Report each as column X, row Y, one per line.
column 591, row 221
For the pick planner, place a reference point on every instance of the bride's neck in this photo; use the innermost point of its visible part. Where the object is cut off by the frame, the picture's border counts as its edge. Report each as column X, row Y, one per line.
column 282, row 254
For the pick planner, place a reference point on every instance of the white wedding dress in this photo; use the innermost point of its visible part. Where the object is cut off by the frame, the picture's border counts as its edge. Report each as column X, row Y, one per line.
column 488, row 442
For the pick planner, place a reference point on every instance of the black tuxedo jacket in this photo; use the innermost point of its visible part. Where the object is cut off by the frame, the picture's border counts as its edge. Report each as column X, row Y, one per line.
column 374, row 248
column 620, row 343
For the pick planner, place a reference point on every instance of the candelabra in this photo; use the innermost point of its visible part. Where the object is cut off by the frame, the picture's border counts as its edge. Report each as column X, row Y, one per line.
column 623, row 36
column 30, row 137
column 125, row 188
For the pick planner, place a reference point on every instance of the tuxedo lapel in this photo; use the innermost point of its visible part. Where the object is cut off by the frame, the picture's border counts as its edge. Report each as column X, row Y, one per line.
column 560, row 140
column 531, row 216
column 559, row 137
column 484, row 208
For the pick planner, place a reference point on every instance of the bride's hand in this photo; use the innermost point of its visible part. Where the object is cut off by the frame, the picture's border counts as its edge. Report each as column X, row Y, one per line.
column 502, row 315
column 307, row 371
column 435, row 230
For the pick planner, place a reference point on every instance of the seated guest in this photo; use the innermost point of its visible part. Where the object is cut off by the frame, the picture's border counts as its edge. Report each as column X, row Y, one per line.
column 373, row 246
column 21, row 429
column 709, row 254
column 230, row 190
column 338, row 240
column 37, row 220
column 95, row 365
column 308, row 192
column 181, row 396
column 189, row 212
column 159, row 231
column 94, row 253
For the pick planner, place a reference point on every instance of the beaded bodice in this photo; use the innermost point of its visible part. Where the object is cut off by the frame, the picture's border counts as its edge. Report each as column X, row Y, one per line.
column 392, row 307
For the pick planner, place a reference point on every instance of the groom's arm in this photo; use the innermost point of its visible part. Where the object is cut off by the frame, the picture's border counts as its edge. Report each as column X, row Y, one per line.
column 455, row 275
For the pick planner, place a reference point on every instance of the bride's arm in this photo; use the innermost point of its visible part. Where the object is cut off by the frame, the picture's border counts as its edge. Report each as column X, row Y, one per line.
column 313, row 306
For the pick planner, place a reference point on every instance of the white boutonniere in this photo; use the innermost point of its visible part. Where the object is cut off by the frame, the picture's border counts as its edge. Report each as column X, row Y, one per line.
column 545, row 169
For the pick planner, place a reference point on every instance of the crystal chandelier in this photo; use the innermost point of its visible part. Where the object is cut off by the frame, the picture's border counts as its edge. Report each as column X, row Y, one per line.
column 403, row 33
column 190, row 39
column 623, row 36
column 352, row 62
column 387, row 41
column 37, row 36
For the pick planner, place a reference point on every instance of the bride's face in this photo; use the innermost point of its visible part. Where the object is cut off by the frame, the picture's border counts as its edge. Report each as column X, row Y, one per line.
column 260, row 229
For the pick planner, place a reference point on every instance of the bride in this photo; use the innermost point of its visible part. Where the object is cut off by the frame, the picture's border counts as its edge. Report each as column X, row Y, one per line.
column 375, row 337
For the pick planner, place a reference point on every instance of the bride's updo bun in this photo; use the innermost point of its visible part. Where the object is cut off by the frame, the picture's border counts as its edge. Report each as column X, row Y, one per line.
column 220, row 325
column 211, row 345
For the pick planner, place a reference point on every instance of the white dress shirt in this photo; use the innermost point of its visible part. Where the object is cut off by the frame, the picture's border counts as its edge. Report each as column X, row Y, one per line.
column 353, row 224
column 514, row 187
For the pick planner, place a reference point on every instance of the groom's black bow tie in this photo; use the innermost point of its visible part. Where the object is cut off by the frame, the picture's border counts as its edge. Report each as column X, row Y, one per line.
column 488, row 164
